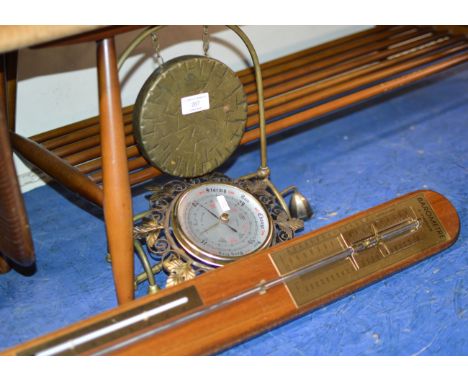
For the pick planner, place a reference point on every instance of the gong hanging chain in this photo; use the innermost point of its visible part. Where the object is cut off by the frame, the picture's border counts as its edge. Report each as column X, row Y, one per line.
column 157, row 49
column 206, row 40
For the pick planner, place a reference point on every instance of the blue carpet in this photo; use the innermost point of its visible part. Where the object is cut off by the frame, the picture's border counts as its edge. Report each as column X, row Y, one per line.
column 414, row 139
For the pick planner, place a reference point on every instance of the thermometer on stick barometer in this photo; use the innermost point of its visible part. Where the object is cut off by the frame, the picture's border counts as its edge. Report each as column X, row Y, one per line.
column 288, row 279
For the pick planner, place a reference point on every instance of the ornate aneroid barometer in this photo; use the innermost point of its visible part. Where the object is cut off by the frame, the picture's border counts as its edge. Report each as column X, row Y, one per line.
column 189, row 117
column 219, row 222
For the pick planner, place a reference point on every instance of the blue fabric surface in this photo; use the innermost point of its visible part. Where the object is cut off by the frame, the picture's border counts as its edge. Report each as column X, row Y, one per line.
column 414, row 139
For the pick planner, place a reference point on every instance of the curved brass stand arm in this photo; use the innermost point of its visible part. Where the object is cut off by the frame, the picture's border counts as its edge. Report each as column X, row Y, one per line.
column 153, row 287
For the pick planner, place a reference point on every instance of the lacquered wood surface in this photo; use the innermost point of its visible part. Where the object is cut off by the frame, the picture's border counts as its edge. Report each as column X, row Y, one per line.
column 255, row 314
column 57, row 168
column 116, row 187
column 15, row 236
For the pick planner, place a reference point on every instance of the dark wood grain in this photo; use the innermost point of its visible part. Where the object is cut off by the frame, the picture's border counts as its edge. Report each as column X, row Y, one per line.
column 15, row 236
column 11, row 71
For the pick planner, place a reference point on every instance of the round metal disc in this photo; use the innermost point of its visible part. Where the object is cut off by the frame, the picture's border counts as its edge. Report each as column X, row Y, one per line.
column 197, row 142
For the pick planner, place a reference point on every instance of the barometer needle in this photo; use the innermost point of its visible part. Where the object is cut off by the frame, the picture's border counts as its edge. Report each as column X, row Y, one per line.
column 214, row 225
column 212, row 213
column 232, row 229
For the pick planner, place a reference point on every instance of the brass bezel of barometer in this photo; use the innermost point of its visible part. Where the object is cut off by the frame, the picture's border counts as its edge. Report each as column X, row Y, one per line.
column 202, row 255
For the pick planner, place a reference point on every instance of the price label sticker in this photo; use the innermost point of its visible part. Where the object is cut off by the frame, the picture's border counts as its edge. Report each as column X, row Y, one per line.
column 195, row 103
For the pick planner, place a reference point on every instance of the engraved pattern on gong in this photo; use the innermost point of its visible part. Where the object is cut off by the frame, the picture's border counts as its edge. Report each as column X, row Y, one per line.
column 197, row 143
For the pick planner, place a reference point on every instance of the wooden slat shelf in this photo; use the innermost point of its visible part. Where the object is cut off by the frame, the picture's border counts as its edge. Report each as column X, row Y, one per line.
column 297, row 88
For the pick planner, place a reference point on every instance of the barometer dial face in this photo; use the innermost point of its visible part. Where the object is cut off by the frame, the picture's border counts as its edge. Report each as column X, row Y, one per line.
column 189, row 116
column 218, row 223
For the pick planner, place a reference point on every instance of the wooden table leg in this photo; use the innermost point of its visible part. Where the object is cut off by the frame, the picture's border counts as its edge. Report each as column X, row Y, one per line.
column 116, row 185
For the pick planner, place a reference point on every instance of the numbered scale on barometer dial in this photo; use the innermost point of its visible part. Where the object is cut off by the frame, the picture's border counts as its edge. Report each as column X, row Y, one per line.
column 217, row 223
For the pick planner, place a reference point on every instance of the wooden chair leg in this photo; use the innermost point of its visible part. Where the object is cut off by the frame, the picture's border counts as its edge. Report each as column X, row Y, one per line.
column 11, row 67
column 116, row 185
column 15, row 235
column 4, row 266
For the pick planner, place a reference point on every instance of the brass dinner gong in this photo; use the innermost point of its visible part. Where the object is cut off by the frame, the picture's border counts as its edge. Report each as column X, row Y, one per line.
column 190, row 115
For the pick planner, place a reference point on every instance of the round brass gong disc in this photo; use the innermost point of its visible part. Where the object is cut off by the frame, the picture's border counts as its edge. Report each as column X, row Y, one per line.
column 192, row 136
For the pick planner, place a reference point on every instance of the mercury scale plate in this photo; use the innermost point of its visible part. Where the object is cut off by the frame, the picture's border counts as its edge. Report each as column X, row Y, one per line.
column 310, row 268
column 410, row 227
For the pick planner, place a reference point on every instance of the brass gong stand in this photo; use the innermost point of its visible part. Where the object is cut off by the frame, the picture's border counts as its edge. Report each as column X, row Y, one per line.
column 300, row 208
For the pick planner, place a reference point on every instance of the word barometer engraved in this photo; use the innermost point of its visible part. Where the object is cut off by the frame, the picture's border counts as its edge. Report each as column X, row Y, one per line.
column 358, row 248
column 189, row 117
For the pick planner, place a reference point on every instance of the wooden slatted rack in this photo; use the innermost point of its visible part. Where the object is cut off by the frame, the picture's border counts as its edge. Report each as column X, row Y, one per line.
column 297, row 88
